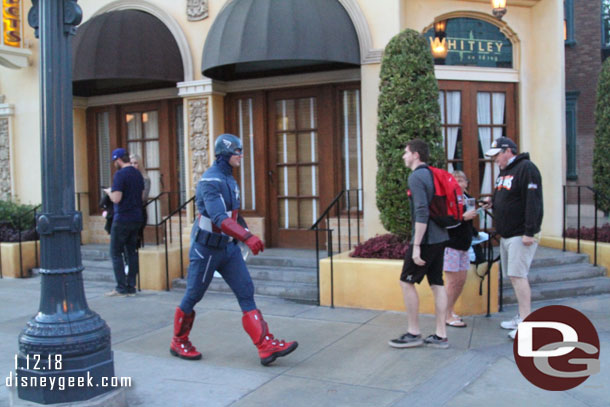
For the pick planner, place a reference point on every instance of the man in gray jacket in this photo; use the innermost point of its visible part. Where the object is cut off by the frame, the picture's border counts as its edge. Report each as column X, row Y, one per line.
column 425, row 254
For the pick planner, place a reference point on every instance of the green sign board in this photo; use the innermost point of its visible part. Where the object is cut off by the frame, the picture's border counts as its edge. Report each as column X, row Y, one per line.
column 475, row 43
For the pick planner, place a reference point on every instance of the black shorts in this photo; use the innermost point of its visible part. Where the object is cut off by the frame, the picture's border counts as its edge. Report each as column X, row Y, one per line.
column 432, row 254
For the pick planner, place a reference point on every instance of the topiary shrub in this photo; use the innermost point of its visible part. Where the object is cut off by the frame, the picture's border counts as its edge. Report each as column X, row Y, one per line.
column 386, row 246
column 601, row 151
column 407, row 109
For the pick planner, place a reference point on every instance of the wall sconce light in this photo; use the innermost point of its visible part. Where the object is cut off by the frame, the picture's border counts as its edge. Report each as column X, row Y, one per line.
column 499, row 8
column 439, row 48
column 440, row 26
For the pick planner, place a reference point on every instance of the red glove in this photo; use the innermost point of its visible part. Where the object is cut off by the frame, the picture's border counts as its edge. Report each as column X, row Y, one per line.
column 234, row 229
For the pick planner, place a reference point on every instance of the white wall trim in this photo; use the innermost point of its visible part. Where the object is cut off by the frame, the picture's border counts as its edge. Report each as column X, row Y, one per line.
column 14, row 58
column 202, row 87
column 123, row 98
column 7, row 110
column 169, row 21
column 477, row 74
column 368, row 54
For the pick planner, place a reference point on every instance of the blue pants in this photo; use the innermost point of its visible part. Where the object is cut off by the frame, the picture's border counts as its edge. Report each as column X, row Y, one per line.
column 229, row 263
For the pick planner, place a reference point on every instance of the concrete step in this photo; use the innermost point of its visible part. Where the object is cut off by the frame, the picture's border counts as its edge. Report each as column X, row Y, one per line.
column 546, row 257
column 95, row 252
column 284, row 274
column 563, row 289
column 297, row 291
column 567, row 272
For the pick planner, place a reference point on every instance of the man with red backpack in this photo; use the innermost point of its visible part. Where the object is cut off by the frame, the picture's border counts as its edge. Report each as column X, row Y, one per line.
column 425, row 254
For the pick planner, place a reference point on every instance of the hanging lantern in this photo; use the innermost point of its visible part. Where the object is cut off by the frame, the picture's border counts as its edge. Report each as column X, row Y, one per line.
column 439, row 48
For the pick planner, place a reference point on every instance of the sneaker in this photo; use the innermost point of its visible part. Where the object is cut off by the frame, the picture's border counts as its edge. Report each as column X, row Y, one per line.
column 512, row 334
column 115, row 293
column 436, row 341
column 406, row 341
column 511, row 324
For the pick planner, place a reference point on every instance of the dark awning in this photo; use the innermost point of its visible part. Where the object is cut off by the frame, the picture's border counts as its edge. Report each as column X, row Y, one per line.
column 123, row 51
column 254, row 38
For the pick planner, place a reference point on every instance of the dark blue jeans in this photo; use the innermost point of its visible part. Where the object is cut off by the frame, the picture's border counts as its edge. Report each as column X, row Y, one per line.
column 124, row 238
column 229, row 263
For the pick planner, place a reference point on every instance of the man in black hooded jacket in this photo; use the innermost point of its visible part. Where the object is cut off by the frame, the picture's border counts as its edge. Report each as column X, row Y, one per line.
column 517, row 206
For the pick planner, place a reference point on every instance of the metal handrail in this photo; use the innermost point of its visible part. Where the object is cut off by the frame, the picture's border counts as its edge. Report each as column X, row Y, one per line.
column 329, row 240
column 163, row 223
column 19, row 217
column 156, row 200
column 596, row 195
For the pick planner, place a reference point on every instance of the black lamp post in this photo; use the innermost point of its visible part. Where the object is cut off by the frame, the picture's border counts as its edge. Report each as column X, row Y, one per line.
column 65, row 339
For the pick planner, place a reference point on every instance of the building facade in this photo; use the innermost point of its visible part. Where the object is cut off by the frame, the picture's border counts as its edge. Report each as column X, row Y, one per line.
column 298, row 81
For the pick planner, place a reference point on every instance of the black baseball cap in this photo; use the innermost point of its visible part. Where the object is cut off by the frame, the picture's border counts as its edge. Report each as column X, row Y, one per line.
column 500, row 144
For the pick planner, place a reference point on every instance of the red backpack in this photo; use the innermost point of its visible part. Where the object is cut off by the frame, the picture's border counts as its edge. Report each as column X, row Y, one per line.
column 447, row 205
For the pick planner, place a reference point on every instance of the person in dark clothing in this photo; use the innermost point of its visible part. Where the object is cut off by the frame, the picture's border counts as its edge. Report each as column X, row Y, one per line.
column 108, row 211
column 126, row 194
column 518, row 211
column 456, row 261
column 425, row 254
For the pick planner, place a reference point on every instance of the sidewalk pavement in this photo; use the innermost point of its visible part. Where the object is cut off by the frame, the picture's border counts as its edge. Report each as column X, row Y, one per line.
column 343, row 358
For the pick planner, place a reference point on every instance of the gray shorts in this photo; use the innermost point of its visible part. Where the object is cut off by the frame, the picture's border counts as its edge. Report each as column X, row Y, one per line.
column 515, row 257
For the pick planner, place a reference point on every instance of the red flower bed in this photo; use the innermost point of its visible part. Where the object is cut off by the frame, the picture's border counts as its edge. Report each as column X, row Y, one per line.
column 603, row 233
column 387, row 246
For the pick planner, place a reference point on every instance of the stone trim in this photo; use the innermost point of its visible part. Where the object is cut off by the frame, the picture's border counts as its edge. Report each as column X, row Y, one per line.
column 5, row 160
column 199, row 137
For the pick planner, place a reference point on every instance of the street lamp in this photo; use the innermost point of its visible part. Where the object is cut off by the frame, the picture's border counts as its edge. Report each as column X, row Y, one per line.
column 71, row 340
column 499, row 8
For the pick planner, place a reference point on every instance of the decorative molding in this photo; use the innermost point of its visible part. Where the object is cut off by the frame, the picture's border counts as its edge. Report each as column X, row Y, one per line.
column 14, row 58
column 196, row 10
column 368, row 54
column 169, row 21
column 123, row 98
column 199, row 137
column 5, row 160
column 6, row 110
column 203, row 87
column 477, row 74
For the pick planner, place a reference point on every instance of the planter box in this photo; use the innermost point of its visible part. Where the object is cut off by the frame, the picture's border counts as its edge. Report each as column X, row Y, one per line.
column 586, row 246
column 374, row 284
column 152, row 266
column 10, row 258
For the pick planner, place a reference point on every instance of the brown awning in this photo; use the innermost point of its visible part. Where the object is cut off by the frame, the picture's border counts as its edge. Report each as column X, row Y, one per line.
column 254, row 38
column 123, row 51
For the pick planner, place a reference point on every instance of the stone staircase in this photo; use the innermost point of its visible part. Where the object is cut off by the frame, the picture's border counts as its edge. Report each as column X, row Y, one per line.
column 284, row 273
column 291, row 274
column 556, row 274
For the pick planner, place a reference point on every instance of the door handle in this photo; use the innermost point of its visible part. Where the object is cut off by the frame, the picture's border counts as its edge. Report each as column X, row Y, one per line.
column 270, row 174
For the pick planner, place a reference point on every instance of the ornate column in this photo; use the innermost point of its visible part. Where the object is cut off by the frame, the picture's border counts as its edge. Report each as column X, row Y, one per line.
column 6, row 112
column 68, row 339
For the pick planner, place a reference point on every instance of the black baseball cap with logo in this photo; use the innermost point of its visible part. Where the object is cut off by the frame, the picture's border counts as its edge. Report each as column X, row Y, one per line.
column 500, row 144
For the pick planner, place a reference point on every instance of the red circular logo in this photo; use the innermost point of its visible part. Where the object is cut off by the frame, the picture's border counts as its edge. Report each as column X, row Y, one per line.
column 557, row 348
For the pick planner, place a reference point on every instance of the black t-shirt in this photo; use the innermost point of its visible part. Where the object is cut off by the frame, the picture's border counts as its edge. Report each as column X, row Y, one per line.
column 130, row 182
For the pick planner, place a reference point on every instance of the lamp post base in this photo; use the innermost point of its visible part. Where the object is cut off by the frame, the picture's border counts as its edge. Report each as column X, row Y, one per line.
column 42, row 380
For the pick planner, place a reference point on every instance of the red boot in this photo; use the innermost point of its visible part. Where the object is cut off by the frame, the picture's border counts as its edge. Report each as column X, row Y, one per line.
column 269, row 348
column 181, row 346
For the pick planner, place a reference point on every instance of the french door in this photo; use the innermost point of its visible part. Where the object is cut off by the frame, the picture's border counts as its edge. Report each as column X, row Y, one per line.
column 300, row 164
column 473, row 114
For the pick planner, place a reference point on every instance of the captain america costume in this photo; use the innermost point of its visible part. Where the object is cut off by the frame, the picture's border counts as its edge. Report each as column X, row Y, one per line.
column 214, row 238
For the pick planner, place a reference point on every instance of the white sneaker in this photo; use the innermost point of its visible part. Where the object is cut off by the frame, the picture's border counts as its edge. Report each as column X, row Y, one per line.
column 512, row 334
column 511, row 324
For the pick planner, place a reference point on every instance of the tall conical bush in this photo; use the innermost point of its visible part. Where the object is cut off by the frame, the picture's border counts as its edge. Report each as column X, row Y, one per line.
column 601, row 151
column 407, row 109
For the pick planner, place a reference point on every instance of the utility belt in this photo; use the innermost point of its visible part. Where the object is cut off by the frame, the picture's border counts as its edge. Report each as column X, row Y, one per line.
column 210, row 235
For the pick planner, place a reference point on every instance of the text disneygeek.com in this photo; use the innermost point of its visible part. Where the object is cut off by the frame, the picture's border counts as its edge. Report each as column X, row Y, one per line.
column 54, row 364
